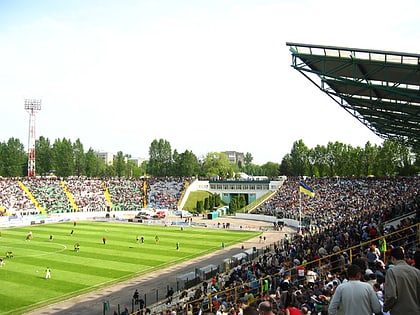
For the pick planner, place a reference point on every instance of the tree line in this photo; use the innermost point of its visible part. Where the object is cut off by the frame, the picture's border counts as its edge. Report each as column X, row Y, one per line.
column 65, row 158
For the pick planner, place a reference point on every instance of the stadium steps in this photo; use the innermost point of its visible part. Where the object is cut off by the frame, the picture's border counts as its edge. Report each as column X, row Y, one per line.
column 107, row 196
column 31, row 197
column 144, row 193
column 254, row 205
column 69, row 196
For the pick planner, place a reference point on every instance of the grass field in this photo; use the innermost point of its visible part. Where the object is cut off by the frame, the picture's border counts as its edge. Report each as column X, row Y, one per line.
column 22, row 278
column 194, row 196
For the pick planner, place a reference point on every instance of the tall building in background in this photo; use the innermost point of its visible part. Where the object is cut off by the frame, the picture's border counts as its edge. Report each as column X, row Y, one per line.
column 235, row 157
column 107, row 157
column 32, row 107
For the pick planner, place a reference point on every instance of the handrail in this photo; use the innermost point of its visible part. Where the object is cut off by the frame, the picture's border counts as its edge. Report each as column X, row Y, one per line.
column 401, row 237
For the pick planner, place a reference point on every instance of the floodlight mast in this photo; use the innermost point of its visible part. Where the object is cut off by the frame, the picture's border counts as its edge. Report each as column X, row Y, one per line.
column 32, row 106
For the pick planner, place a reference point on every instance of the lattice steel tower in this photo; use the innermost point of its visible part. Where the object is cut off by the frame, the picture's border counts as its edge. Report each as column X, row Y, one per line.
column 32, row 107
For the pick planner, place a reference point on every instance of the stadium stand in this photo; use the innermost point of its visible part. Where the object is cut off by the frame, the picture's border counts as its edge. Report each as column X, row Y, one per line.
column 349, row 216
column 346, row 219
column 88, row 194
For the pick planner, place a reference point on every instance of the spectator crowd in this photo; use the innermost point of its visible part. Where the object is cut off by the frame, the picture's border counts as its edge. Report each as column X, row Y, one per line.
column 56, row 195
column 347, row 224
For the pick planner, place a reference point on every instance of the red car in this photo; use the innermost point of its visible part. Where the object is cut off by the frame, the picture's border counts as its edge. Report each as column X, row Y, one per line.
column 159, row 215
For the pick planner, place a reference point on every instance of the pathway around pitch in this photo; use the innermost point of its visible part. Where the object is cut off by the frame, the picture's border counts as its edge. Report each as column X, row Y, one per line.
column 121, row 293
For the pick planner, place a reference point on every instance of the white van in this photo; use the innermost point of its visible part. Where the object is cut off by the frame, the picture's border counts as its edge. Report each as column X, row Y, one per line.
column 144, row 215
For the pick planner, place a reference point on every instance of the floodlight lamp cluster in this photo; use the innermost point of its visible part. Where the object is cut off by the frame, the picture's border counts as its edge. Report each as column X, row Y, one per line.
column 32, row 104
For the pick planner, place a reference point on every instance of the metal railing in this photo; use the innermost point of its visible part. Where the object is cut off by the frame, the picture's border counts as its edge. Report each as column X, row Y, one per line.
column 407, row 238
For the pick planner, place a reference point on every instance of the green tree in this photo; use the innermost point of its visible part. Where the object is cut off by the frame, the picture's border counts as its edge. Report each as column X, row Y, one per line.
column 416, row 165
column 185, row 164
column 271, row 169
column 329, row 159
column 176, row 158
column 79, row 158
column 337, row 158
column 109, row 171
column 253, row 169
column 2, row 161
column 217, row 200
column 286, row 167
column 241, row 201
column 233, row 205
column 356, row 161
column 212, row 201
column 405, row 159
column 14, row 159
column 44, row 156
column 160, row 158
column 316, row 159
column 200, row 206
column 206, row 203
column 63, row 157
column 370, row 159
column 94, row 165
column 388, row 158
column 217, row 164
column 236, row 203
column 119, row 164
column 248, row 159
column 299, row 158
column 132, row 170
column 396, row 158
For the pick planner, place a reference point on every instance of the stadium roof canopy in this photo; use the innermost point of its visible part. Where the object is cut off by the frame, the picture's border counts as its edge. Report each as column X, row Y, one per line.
column 379, row 88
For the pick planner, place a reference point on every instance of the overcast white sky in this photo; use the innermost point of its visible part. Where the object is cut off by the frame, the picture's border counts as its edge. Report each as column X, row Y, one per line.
column 205, row 75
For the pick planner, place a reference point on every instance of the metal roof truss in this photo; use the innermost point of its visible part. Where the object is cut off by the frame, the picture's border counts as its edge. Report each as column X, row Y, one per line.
column 380, row 89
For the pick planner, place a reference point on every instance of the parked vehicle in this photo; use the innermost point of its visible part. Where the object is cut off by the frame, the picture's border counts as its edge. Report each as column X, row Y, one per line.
column 144, row 215
column 183, row 213
column 159, row 214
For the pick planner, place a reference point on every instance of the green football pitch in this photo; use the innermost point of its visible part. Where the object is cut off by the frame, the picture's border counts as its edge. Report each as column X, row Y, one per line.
column 23, row 277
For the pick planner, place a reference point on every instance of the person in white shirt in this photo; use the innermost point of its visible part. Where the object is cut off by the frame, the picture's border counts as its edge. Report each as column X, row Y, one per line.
column 354, row 297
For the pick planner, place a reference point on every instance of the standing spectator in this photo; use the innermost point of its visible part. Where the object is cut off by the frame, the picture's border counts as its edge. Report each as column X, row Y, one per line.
column 136, row 296
column 402, row 286
column 141, row 303
column 417, row 257
column 249, row 310
column 125, row 312
column 354, row 297
column 301, row 273
column 169, row 295
column 382, row 248
column 372, row 255
column 380, row 295
column 265, row 308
